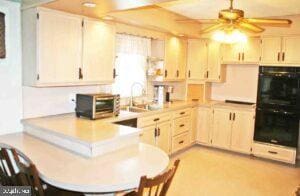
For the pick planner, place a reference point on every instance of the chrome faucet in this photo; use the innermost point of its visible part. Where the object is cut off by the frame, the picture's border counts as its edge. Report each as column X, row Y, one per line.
column 131, row 95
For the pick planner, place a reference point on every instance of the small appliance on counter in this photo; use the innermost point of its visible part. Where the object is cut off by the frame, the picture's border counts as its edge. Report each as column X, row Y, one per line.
column 96, row 106
column 162, row 94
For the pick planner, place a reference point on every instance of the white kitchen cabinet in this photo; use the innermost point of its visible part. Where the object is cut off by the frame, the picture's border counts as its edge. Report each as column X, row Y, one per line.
column 156, row 130
column 194, row 120
column 233, row 129
column 290, row 49
column 204, row 125
column 242, row 53
column 58, row 50
column 222, row 123
column 148, row 135
column 197, row 59
column 280, row 50
column 98, row 51
column 51, row 47
column 204, row 61
column 164, row 136
column 270, row 50
column 175, row 59
column 242, row 131
column 215, row 70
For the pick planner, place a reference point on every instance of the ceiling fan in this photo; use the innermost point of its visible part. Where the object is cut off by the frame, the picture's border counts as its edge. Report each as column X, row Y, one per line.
column 232, row 18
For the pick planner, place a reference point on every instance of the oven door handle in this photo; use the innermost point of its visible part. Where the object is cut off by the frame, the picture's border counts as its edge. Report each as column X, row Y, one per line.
column 278, row 112
column 104, row 98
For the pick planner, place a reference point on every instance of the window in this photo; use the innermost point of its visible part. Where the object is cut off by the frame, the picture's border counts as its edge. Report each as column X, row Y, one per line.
column 131, row 64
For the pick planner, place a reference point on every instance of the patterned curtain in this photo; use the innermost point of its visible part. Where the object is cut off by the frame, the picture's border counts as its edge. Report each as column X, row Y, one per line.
column 2, row 35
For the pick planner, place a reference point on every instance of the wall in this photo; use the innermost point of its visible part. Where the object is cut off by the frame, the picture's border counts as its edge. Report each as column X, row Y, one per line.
column 50, row 101
column 240, row 85
column 10, row 71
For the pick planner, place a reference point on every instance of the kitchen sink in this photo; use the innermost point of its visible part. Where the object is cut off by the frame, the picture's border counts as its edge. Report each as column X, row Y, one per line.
column 141, row 108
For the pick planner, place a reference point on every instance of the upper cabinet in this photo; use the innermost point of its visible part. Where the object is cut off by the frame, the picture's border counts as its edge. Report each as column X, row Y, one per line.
column 204, row 61
column 175, row 59
column 61, row 49
column 245, row 53
column 280, row 50
column 98, row 51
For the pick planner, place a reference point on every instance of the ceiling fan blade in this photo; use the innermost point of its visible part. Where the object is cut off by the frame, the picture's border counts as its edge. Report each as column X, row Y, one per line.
column 212, row 28
column 250, row 27
column 204, row 21
column 271, row 22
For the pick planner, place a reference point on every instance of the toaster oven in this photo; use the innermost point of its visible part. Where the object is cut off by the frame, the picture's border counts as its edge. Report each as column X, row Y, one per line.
column 96, row 106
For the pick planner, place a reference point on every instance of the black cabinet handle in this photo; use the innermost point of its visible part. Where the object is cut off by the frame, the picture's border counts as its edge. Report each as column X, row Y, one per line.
column 181, row 142
column 233, row 118
column 156, row 119
column 177, row 73
column 182, row 113
column 278, row 56
column 189, row 73
column 155, row 132
column 207, row 74
column 158, row 131
column 80, row 76
column 239, row 56
column 114, row 73
column 272, row 152
column 283, row 56
column 230, row 116
column 243, row 56
column 166, row 73
column 181, row 125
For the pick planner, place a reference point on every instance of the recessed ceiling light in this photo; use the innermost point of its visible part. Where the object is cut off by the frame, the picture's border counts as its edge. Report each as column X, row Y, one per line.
column 108, row 18
column 89, row 4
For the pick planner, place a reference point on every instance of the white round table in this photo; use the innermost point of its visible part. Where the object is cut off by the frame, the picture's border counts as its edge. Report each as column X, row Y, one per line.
column 112, row 172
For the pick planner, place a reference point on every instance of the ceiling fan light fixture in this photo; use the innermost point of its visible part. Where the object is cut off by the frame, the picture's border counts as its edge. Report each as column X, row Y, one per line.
column 229, row 37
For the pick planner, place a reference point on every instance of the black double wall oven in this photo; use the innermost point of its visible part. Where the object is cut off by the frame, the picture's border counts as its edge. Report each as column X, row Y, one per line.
column 278, row 106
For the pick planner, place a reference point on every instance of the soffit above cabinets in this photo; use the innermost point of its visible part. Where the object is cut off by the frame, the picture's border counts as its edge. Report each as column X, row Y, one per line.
column 209, row 9
column 102, row 6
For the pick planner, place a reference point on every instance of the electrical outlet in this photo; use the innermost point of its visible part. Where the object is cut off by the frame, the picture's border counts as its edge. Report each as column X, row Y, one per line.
column 72, row 98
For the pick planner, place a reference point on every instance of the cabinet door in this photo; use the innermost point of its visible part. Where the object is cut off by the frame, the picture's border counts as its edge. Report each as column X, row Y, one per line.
column 221, row 128
column 182, row 60
column 163, row 140
column 197, row 59
column 194, row 127
column 214, row 64
column 231, row 53
column 148, row 135
column 242, row 131
column 98, row 52
column 59, row 47
column 171, row 57
column 251, row 51
column 291, row 48
column 270, row 50
column 204, row 125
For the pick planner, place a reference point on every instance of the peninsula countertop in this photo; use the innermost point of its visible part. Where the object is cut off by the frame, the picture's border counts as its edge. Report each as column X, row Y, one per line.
column 115, row 171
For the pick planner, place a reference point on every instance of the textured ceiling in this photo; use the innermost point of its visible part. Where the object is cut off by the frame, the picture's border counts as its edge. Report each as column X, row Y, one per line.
column 207, row 9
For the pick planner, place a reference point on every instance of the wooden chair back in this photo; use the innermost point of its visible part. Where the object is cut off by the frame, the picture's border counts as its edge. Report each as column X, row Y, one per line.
column 157, row 186
column 7, row 172
column 28, row 174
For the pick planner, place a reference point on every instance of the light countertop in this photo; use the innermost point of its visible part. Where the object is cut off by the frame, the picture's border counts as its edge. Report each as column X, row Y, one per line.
column 115, row 171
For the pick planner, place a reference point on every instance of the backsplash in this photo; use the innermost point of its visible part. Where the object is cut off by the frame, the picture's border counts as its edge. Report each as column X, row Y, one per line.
column 39, row 102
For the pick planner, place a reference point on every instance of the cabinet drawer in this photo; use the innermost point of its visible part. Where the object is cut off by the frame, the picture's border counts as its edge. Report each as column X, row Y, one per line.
column 152, row 120
column 181, row 141
column 273, row 152
column 181, row 125
column 183, row 112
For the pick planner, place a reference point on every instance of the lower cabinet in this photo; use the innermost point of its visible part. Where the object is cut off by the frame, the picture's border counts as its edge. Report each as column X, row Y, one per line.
column 157, row 132
column 233, row 129
column 204, row 123
column 164, row 136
